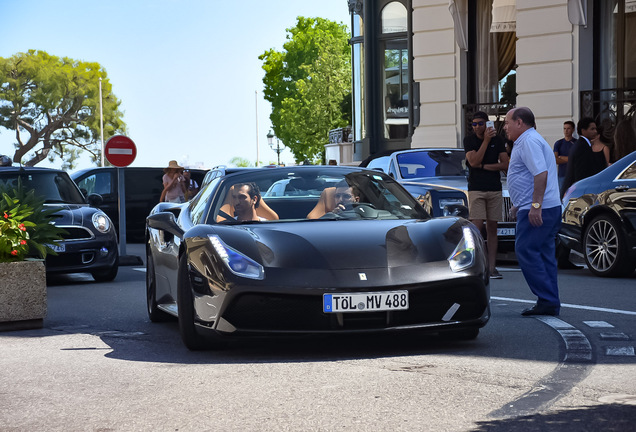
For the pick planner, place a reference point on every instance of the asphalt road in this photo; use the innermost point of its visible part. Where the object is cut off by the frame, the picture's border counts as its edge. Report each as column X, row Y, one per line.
column 100, row 365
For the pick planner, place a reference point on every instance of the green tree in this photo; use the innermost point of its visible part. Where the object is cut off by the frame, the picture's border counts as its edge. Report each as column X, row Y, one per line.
column 52, row 105
column 309, row 85
column 238, row 161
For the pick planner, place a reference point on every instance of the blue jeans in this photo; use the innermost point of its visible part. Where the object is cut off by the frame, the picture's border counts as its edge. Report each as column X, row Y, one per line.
column 535, row 249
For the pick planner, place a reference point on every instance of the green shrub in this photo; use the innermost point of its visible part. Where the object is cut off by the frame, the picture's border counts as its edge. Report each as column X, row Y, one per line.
column 26, row 227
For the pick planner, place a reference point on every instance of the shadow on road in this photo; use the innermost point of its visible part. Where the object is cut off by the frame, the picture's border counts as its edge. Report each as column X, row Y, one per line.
column 611, row 417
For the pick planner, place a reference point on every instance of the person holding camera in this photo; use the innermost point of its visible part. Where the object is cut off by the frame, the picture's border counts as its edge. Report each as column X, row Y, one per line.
column 174, row 185
column 486, row 156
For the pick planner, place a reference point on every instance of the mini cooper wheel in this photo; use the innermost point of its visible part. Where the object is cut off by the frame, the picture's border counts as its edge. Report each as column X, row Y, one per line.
column 605, row 248
column 108, row 274
column 154, row 313
column 185, row 303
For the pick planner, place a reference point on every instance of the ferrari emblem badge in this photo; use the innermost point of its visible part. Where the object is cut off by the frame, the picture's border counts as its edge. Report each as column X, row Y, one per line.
column 363, row 276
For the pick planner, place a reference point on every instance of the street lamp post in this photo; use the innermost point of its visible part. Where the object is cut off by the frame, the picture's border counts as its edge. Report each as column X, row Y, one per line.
column 276, row 147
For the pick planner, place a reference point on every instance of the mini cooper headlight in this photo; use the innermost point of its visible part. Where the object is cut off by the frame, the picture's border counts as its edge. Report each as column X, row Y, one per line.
column 101, row 222
column 238, row 263
column 464, row 254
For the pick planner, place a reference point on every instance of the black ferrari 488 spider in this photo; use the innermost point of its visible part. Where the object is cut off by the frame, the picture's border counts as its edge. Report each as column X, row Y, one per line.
column 312, row 250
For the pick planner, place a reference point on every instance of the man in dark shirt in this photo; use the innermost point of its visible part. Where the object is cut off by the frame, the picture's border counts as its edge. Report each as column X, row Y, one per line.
column 562, row 150
column 486, row 155
column 581, row 163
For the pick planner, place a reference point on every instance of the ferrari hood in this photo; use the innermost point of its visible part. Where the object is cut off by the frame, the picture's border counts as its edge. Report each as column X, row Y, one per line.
column 339, row 245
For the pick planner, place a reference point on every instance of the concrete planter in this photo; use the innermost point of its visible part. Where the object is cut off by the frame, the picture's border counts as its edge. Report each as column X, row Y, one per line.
column 22, row 295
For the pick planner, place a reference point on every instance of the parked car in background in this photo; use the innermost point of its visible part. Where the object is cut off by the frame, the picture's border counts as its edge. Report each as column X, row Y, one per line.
column 378, row 264
column 599, row 219
column 90, row 244
column 437, row 178
column 143, row 187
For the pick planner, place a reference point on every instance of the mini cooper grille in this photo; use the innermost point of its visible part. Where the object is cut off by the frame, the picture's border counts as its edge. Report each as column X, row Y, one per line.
column 75, row 259
column 268, row 312
column 76, row 233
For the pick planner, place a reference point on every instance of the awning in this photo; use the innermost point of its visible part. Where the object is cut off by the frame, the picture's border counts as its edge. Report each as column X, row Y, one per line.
column 459, row 18
column 504, row 16
column 577, row 12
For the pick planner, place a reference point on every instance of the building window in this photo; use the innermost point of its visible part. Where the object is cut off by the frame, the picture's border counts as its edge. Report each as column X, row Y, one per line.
column 396, row 89
column 617, row 39
column 493, row 51
column 394, row 18
column 358, row 83
column 395, row 70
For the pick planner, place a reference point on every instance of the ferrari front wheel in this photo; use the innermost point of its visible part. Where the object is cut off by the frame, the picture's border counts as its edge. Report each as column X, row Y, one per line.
column 154, row 313
column 185, row 303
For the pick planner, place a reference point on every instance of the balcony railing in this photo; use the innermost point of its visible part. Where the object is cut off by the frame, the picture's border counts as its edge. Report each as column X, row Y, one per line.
column 608, row 107
column 340, row 135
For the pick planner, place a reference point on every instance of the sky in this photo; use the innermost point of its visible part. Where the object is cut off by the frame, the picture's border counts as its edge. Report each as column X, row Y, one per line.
column 187, row 71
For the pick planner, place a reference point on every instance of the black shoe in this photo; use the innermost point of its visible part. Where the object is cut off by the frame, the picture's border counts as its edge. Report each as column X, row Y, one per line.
column 537, row 310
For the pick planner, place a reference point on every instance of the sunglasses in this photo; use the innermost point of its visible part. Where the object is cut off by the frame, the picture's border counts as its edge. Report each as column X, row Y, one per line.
column 481, row 123
column 343, row 196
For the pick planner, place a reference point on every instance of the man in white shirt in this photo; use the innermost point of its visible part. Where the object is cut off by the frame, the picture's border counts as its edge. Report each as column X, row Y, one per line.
column 534, row 192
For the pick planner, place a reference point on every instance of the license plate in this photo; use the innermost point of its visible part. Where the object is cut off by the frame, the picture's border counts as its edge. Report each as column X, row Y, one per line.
column 366, row 302
column 57, row 247
column 505, row 231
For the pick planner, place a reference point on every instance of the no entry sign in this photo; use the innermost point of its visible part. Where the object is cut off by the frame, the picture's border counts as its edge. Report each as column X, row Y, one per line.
column 120, row 151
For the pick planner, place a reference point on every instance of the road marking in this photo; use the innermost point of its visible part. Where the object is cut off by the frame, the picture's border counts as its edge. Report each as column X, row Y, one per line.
column 598, row 324
column 571, row 306
column 614, row 336
column 576, row 365
column 620, row 351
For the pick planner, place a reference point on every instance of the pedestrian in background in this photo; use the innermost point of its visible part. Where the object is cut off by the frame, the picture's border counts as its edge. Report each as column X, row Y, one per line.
column 487, row 157
column 583, row 162
column 173, row 183
column 534, row 191
column 562, row 149
column 191, row 185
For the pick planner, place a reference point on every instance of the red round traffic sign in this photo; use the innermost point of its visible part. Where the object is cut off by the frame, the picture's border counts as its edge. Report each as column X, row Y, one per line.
column 120, row 151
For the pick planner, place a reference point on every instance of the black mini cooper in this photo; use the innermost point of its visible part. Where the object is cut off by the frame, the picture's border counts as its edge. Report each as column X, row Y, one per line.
column 90, row 244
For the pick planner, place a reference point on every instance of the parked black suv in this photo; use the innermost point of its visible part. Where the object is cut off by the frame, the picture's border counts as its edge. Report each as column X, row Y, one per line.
column 143, row 190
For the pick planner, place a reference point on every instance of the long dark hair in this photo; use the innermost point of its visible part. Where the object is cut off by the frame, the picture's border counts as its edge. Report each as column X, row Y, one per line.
column 624, row 139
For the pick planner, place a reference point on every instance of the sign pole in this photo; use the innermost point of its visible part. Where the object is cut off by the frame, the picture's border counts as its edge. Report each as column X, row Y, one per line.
column 121, row 152
column 121, row 202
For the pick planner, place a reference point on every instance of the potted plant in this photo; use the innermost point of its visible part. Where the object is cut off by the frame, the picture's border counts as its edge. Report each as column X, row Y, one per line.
column 26, row 230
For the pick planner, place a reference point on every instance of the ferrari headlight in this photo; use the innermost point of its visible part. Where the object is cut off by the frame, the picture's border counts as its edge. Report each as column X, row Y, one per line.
column 236, row 262
column 101, row 222
column 445, row 202
column 464, row 254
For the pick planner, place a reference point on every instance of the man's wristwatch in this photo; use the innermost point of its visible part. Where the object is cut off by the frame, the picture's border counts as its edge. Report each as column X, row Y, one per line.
column 536, row 205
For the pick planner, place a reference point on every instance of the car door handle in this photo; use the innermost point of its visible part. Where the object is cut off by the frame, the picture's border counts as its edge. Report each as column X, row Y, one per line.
column 621, row 188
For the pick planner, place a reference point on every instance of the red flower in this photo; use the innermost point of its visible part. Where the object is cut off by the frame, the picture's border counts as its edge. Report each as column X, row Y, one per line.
column 22, row 242
column 6, row 216
column 14, row 252
column 22, row 228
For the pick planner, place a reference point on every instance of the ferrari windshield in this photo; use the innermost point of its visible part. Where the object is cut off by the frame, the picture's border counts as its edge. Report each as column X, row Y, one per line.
column 54, row 187
column 311, row 193
column 432, row 163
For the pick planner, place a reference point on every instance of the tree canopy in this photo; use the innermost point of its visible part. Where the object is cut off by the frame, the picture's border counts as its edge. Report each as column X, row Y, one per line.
column 52, row 105
column 309, row 85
